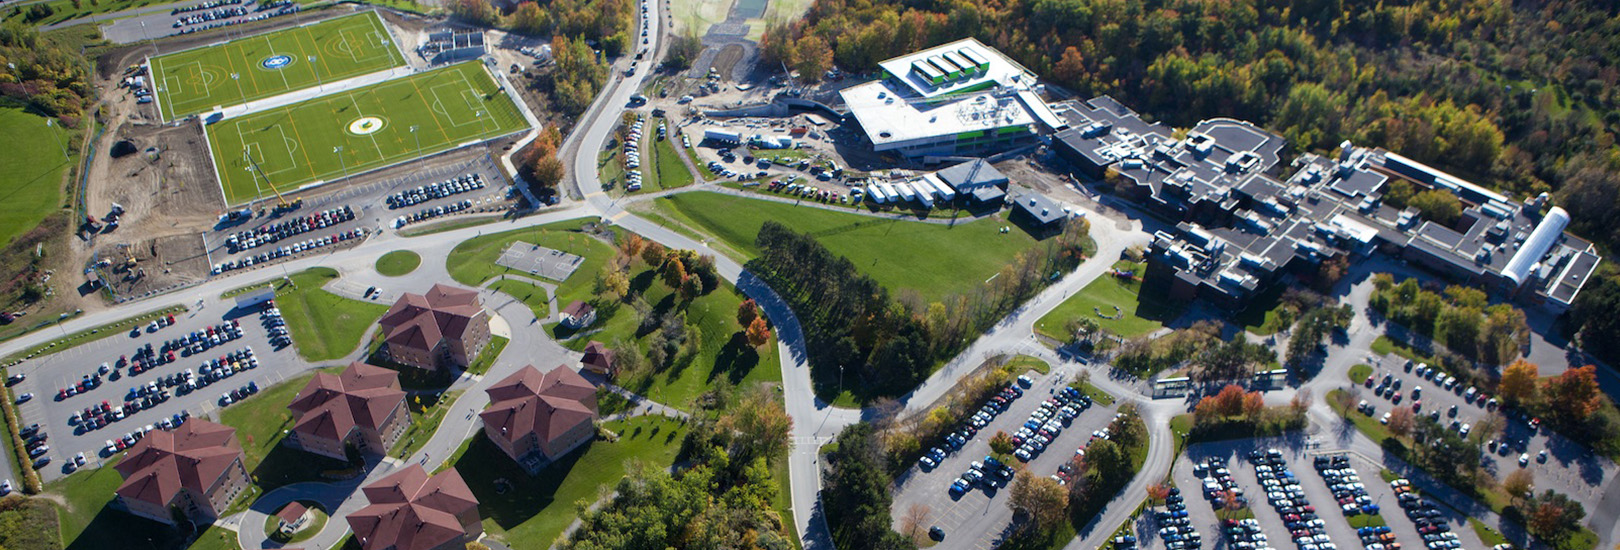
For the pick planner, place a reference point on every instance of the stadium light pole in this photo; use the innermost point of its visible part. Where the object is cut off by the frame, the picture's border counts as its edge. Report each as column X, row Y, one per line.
column 317, row 71
column 345, row 164
column 51, row 122
column 238, row 78
column 418, row 142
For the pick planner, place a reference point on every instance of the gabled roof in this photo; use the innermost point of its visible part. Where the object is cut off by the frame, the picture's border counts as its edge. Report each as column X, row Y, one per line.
column 411, row 510
column 421, row 321
column 546, row 405
column 192, row 456
column 598, row 355
column 291, row 512
column 578, row 309
column 330, row 406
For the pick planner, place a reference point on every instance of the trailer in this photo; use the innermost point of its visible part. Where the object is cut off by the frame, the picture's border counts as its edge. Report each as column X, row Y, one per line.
column 876, row 195
column 906, row 191
column 927, row 199
column 940, row 188
column 726, row 137
column 890, row 193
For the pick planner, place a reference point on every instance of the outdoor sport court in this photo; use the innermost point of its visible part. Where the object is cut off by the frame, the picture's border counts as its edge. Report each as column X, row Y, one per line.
column 538, row 260
column 324, row 138
column 266, row 65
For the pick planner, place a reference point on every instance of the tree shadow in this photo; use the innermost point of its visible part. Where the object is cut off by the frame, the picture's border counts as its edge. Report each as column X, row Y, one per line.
column 526, row 495
column 114, row 528
column 285, row 465
column 735, row 360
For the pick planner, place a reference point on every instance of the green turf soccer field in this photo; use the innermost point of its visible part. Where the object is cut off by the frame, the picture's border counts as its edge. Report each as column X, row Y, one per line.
column 297, row 144
column 198, row 80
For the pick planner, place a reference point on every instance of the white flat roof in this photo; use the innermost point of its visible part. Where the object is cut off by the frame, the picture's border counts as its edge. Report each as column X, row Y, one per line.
column 1000, row 69
column 890, row 120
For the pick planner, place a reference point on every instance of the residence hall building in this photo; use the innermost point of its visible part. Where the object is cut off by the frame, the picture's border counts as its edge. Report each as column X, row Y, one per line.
column 195, row 470
column 364, row 407
column 536, row 418
column 1239, row 228
column 957, row 99
column 445, row 327
column 411, row 510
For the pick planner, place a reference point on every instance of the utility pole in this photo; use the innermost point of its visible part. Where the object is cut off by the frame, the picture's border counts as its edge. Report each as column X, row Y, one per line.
column 315, row 69
column 418, row 144
column 238, row 78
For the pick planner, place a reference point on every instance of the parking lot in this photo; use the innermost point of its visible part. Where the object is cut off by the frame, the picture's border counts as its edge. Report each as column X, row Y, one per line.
column 47, row 376
column 977, row 518
column 1298, row 456
column 1566, row 467
column 345, row 217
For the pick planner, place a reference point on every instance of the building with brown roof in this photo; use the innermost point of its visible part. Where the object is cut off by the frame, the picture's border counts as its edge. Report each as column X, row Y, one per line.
column 447, row 326
column 195, row 470
column 411, row 510
column 598, row 359
column 536, row 418
column 291, row 517
column 363, row 406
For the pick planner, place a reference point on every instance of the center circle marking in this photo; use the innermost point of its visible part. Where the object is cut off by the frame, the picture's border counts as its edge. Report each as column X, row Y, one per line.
column 276, row 61
column 364, row 126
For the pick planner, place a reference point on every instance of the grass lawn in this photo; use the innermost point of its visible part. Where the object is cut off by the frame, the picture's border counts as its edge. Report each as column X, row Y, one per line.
column 417, row 230
column 1359, row 373
column 532, row 295
column 724, row 356
column 703, row 167
column 486, row 357
column 261, row 422
column 1138, row 315
column 1366, row 520
column 783, row 503
column 1021, row 363
column 336, row 135
column 323, row 325
column 1097, row 394
column 1487, row 535
column 36, row 513
column 1261, row 316
column 87, row 523
column 1368, row 425
column 312, row 526
column 197, row 80
column 91, row 334
column 935, row 259
column 31, row 172
column 398, row 262
column 427, row 411
column 473, row 261
column 610, row 168
column 672, row 173
column 535, row 510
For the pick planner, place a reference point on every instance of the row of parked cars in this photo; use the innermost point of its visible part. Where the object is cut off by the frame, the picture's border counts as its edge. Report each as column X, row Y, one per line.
column 288, row 250
column 453, row 186
column 990, row 473
column 204, row 6
column 1283, row 491
column 1346, row 485
column 433, row 212
column 1177, row 531
column 221, row 13
column 632, row 154
column 1044, row 425
column 288, row 9
column 955, row 440
column 1426, row 515
column 202, row 340
column 272, row 232
column 270, row 316
column 128, row 440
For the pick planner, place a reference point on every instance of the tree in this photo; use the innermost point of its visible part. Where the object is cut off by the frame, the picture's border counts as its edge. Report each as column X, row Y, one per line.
column 1401, row 422
column 1001, row 443
column 1157, row 492
column 548, row 172
column 916, row 516
column 812, row 57
column 476, row 11
column 1574, row 394
column 1040, row 498
column 1518, row 385
column 528, row 18
column 759, row 332
column 674, row 273
column 690, row 289
column 1442, row 207
column 684, row 49
column 1519, row 483
column 1554, row 516
column 653, row 254
column 762, row 424
column 747, row 312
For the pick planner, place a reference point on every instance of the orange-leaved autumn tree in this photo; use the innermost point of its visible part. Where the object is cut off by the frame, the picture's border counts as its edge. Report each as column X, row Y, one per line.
column 759, row 332
column 1518, row 383
column 1575, row 393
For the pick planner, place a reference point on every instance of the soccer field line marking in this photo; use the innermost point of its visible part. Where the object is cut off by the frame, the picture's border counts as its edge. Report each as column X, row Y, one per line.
column 272, row 46
column 423, row 98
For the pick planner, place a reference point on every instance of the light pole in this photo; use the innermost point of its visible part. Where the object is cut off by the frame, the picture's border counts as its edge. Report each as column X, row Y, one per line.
column 339, row 152
column 51, row 122
column 418, row 142
column 238, row 78
column 316, row 70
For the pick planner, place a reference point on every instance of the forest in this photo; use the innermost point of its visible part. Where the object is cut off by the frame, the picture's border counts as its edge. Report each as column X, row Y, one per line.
column 42, row 75
column 1519, row 96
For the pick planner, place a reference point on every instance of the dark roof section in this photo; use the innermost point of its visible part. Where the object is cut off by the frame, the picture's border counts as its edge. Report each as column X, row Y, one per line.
column 421, row 321
column 192, row 456
column 410, row 510
column 546, row 405
column 1039, row 208
column 330, row 406
column 972, row 174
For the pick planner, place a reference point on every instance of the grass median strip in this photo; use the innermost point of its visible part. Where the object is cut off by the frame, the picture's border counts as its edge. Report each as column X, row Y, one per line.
column 89, row 335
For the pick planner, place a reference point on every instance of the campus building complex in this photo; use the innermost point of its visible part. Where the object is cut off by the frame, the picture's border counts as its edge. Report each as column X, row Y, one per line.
column 194, row 471
column 411, row 510
column 445, row 327
column 1239, row 228
column 364, row 407
column 957, row 99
